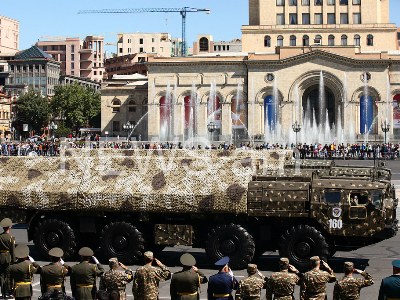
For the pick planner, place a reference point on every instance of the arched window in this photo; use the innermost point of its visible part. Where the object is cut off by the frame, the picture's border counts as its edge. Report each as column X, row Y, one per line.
column 116, row 104
column 166, row 117
column 267, row 41
column 214, row 112
column 279, row 41
column 318, row 40
column 292, row 40
column 239, row 112
column 357, row 40
column 306, row 40
column 367, row 113
column 331, row 40
column 203, row 43
column 370, row 40
column 344, row 40
column 132, row 106
column 190, row 116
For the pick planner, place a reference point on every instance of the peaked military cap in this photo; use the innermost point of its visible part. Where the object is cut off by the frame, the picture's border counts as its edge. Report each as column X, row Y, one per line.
column 187, row 260
column 222, row 262
column 56, row 252
column 86, row 251
column 21, row 251
column 6, row 222
column 148, row 255
column 396, row 263
column 251, row 269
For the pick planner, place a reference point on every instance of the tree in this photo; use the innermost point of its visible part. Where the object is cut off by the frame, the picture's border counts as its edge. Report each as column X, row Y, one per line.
column 77, row 105
column 34, row 110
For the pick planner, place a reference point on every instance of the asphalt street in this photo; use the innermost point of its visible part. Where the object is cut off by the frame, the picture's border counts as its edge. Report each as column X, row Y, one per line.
column 375, row 258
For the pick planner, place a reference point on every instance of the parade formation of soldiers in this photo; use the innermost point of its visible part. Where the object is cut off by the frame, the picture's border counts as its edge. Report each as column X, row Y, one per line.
column 17, row 269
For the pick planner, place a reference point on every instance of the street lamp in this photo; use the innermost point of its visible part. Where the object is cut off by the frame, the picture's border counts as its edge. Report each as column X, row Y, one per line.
column 296, row 126
column 53, row 127
column 211, row 127
column 385, row 128
column 128, row 127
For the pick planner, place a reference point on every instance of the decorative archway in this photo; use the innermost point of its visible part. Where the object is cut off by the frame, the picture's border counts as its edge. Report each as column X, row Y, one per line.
column 367, row 97
column 166, row 117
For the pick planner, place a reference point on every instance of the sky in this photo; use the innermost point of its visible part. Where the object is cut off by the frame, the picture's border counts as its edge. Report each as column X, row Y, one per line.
column 54, row 18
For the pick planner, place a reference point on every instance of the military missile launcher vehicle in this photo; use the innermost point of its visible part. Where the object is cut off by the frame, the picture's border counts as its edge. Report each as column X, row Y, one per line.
column 231, row 203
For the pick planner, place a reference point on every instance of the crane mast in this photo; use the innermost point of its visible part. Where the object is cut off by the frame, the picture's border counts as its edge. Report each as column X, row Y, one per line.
column 183, row 12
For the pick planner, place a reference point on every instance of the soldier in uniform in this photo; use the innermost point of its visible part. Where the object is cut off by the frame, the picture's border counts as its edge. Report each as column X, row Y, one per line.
column 21, row 273
column 52, row 276
column 148, row 277
column 250, row 287
column 84, row 274
column 221, row 285
column 348, row 288
column 313, row 284
column 185, row 284
column 7, row 246
column 390, row 286
column 281, row 284
column 114, row 280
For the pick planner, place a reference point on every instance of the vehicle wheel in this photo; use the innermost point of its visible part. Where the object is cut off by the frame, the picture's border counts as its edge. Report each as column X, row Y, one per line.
column 233, row 241
column 123, row 241
column 52, row 233
column 301, row 242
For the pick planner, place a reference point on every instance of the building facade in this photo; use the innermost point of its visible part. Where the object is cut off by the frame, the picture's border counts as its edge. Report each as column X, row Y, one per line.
column 68, row 79
column 205, row 44
column 127, row 64
column 9, row 35
column 80, row 58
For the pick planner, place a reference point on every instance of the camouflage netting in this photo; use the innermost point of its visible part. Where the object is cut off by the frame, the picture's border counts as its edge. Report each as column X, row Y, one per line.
column 130, row 180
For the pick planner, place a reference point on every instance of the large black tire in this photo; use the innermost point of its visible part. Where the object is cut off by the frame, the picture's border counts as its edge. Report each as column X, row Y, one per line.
column 233, row 241
column 301, row 242
column 123, row 241
column 52, row 233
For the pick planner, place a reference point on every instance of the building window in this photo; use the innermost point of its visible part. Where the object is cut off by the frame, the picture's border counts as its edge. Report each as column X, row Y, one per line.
column 280, row 19
column 132, row 106
column 331, row 2
column 72, row 57
column 318, row 18
column 318, row 40
column 72, row 65
column 141, row 50
column 203, row 44
column 120, row 50
column 280, row 2
column 344, row 18
column 344, row 40
column 141, row 41
column 293, row 2
column 356, row 2
column 357, row 40
column 331, row 18
column 306, row 19
column 305, row 2
column 267, row 41
column 318, row 2
column 116, row 104
column 279, row 41
column 370, row 40
column 331, row 40
column 129, row 41
column 153, row 49
column 344, row 2
column 115, row 126
column 153, row 40
column 306, row 40
column 72, row 48
column 44, row 47
column 129, row 50
column 292, row 40
column 293, row 19
column 356, row 18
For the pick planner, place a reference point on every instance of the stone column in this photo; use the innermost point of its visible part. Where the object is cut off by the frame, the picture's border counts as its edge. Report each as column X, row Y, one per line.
column 202, row 121
column 154, row 121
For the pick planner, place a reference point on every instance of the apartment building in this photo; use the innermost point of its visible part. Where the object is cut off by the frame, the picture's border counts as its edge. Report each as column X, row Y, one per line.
column 9, row 35
column 80, row 58
column 205, row 44
column 160, row 43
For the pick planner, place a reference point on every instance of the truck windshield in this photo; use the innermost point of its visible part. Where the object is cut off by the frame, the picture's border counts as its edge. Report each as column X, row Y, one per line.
column 376, row 198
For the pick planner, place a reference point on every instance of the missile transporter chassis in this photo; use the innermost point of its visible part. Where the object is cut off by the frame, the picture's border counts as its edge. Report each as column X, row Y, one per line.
column 237, row 204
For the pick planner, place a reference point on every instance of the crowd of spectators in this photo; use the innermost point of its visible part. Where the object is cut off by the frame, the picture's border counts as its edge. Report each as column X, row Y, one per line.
column 39, row 147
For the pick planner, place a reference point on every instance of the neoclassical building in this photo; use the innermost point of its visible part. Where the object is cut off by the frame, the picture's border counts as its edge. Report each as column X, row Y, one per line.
column 330, row 66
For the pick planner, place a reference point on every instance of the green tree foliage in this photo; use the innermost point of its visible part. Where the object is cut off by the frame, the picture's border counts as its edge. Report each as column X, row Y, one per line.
column 34, row 110
column 77, row 105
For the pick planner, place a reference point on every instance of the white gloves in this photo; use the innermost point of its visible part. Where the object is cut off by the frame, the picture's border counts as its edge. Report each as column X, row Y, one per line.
column 96, row 261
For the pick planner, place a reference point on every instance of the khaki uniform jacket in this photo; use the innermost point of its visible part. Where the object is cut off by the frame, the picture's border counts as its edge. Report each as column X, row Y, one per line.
column 52, row 277
column 83, row 280
column 22, row 273
column 185, row 285
column 7, row 247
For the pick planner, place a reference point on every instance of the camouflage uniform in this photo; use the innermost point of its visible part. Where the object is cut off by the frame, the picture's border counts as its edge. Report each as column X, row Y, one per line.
column 349, row 287
column 250, row 287
column 281, row 285
column 313, row 285
column 116, row 280
column 146, row 280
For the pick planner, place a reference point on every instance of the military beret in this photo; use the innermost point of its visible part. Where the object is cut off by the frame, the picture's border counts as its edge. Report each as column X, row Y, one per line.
column 56, row 252
column 222, row 262
column 283, row 261
column 148, row 255
column 113, row 262
column 21, row 251
column 251, row 268
column 85, row 251
column 6, row 222
column 187, row 260
column 315, row 258
column 396, row 263
column 348, row 265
